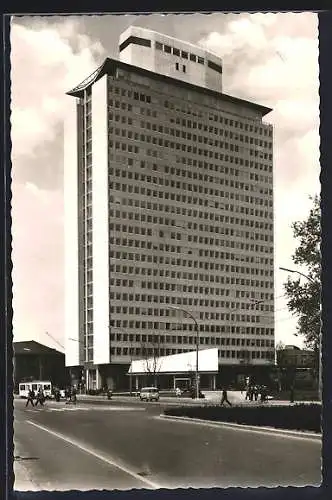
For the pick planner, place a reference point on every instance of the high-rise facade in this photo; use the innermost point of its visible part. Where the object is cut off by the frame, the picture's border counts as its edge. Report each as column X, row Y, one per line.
column 168, row 204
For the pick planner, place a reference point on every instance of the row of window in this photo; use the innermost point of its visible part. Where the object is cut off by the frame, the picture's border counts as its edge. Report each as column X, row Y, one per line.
column 124, row 282
column 138, row 351
column 147, row 231
column 157, row 340
column 183, row 327
column 191, row 239
column 208, row 266
column 183, row 107
column 212, row 216
column 142, row 204
column 194, row 150
column 194, row 200
column 210, row 254
column 203, row 315
column 86, row 146
column 214, row 254
column 213, row 167
column 232, row 171
column 192, row 174
column 220, row 132
column 138, row 297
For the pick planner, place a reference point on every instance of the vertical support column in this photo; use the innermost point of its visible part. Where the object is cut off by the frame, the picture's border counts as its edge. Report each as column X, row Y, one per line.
column 136, row 382
column 98, row 378
column 71, row 233
column 214, row 385
column 87, row 379
column 100, row 230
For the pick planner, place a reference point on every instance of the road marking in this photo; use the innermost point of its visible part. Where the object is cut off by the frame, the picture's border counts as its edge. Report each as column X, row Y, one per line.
column 308, row 436
column 97, row 408
column 80, row 446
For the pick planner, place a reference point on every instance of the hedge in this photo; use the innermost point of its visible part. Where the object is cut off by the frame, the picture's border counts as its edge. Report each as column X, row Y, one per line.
column 304, row 417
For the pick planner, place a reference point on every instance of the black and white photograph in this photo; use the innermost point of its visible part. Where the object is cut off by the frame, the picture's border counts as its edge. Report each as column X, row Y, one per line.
column 166, row 234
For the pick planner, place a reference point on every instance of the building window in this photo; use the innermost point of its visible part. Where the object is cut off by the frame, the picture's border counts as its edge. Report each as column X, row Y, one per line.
column 176, row 52
column 184, row 54
column 193, row 57
column 135, row 40
column 167, row 49
column 214, row 66
column 159, row 46
column 200, row 60
column 177, row 66
column 183, row 68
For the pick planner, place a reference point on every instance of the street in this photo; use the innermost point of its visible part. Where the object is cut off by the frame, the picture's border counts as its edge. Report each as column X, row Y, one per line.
column 125, row 444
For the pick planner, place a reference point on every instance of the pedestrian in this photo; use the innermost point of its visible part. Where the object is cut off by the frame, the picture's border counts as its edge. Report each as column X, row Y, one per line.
column 68, row 395
column 73, row 395
column 224, row 398
column 255, row 391
column 57, row 395
column 40, row 397
column 263, row 394
column 31, row 396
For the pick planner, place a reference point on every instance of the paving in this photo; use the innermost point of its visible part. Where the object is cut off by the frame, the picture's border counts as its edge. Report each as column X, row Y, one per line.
column 111, row 447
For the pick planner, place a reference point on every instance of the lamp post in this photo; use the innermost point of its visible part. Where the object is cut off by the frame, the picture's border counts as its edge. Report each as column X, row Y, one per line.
column 319, row 345
column 197, row 343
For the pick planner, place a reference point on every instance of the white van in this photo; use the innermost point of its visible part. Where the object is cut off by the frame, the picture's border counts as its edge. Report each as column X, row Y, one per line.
column 25, row 387
column 149, row 394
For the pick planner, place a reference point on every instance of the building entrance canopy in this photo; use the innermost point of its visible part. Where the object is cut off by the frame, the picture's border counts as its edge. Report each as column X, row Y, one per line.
column 177, row 363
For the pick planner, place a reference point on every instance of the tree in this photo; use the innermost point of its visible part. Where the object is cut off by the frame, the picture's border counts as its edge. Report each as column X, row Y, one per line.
column 304, row 295
column 151, row 356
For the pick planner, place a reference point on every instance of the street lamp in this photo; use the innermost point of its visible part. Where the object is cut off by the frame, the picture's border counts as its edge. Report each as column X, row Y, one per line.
column 297, row 272
column 197, row 341
column 319, row 346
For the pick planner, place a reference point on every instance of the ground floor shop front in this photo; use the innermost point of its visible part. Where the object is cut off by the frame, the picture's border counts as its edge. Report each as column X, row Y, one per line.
column 117, row 378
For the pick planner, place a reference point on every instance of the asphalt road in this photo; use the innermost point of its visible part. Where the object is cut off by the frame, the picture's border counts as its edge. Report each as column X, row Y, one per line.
column 124, row 445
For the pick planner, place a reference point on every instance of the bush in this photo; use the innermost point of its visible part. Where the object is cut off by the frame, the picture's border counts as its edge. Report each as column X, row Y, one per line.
column 305, row 417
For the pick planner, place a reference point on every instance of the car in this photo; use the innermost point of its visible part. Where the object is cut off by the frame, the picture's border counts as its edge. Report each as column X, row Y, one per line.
column 149, row 394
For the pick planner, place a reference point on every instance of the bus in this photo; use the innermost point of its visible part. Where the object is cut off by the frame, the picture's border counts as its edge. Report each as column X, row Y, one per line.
column 25, row 387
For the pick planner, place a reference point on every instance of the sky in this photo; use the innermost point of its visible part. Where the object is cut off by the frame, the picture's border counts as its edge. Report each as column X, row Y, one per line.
column 271, row 59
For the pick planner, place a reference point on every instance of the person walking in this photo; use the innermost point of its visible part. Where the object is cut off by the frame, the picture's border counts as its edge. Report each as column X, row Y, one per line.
column 224, row 398
column 40, row 397
column 73, row 395
column 31, row 396
column 256, row 392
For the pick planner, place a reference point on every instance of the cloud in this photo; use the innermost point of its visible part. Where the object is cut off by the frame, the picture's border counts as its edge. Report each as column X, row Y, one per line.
column 46, row 62
column 45, row 66
column 273, row 59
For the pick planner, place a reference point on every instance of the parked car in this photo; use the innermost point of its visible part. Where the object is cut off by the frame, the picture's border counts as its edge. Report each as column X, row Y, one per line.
column 149, row 394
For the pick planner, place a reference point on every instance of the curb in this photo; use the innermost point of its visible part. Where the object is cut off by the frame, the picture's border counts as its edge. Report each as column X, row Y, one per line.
column 271, row 430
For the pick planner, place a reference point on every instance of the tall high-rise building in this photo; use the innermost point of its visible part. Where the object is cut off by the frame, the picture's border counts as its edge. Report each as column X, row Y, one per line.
column 168, row 204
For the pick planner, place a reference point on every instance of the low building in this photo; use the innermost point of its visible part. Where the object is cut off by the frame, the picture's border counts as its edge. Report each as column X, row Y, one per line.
column 35, row 361
column 293, row 356
column 297, row 367
column 177, row 370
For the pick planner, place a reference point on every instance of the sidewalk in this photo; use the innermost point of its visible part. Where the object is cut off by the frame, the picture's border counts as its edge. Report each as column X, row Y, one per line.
column 235, row 397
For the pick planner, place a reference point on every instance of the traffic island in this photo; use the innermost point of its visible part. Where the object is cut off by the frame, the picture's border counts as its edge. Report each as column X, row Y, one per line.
column 300, row 417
